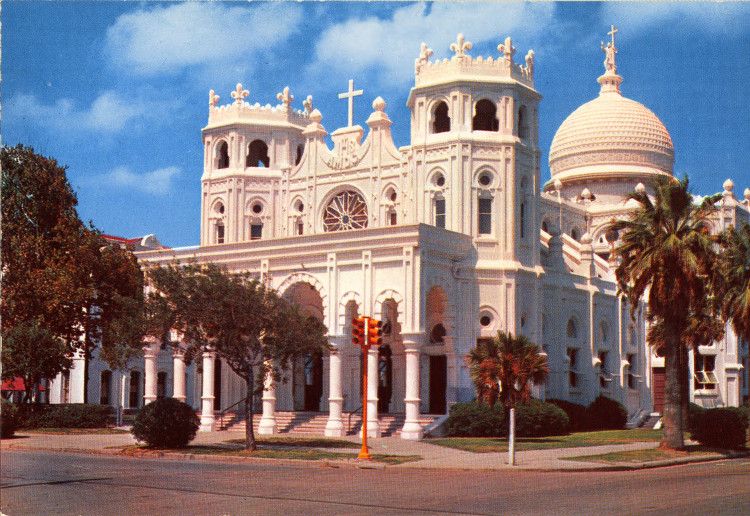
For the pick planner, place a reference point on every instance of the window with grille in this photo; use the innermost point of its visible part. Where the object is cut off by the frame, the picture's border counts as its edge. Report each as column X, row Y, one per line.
column 440, row 213
column 485, row 216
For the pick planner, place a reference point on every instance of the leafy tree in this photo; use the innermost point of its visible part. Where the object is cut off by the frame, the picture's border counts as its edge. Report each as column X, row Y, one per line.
column 483, row 370
column 733, row 279
column 248, row 325
column 64, row 288
column 667, row 255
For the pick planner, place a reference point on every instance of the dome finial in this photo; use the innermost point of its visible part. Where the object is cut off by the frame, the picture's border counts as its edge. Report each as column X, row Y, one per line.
column 610, row 81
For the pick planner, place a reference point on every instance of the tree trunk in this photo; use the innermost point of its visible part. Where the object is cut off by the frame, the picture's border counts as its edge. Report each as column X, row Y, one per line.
column 684, row 386
column 249, row 433
column 673, row 428
column 512, row 437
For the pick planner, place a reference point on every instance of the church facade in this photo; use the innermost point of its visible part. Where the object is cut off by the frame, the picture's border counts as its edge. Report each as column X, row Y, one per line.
column 448, row 239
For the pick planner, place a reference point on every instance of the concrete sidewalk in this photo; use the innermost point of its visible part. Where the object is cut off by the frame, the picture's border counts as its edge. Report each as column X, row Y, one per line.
column 433, row 456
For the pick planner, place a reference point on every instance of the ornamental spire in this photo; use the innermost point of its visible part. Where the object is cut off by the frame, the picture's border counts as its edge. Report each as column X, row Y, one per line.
column 610, row 81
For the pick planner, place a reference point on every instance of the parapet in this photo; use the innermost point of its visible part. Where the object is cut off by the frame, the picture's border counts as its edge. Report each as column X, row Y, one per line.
column 240, row 111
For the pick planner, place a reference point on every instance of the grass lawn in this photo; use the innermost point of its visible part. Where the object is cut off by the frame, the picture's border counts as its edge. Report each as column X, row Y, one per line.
column 655, row 454
column 300, row 442
column 269, row 453
column 575, row 440
column 73, row 431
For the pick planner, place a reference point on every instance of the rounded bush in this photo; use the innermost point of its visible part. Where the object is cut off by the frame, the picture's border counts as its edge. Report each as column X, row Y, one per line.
column 722, row 428
column 577, row 414
column 607, row 414
column 475, row 419
column 166, row 423
column 8, row 419
column 539, row 419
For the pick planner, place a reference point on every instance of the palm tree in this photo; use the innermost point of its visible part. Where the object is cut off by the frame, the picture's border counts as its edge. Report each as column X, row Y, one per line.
column 733, row 279
column 666, row 255
column 483, row 370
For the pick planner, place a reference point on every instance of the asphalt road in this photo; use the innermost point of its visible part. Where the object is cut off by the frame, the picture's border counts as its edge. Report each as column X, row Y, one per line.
column 58, row 483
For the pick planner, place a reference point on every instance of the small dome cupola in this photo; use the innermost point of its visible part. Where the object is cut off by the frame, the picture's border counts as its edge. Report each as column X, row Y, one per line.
column 611, row 137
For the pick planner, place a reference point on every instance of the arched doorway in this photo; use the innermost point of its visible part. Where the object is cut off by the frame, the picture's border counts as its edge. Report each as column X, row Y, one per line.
column 385, row 378
column 436, row 326
column 307, row 372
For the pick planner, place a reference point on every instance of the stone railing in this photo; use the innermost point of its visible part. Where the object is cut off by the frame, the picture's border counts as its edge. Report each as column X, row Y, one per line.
column 466, row 66
column 244, row 112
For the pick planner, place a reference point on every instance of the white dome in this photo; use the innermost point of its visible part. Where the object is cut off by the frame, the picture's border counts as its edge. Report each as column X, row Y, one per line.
column 611, row 135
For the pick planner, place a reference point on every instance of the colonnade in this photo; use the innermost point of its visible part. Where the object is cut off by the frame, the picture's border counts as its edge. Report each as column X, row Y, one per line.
column 411, row 430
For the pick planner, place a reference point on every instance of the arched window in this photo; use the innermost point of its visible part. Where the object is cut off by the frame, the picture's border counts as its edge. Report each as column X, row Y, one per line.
column 437, row 334
column 222, row 155
column 574, row 234
column 300, row 227
column 523, row 123
column 441, row 122
column 256, row 230
column 485, row 116
column 522, row 219
column 545, row 226
column 392, row 217
column 257, row 155
column 300, row 150
column 439, row 212
column 484, row 215
column 220, row 233
column 572, row 329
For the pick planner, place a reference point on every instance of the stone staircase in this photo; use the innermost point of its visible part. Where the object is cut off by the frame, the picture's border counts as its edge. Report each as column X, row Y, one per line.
column 314, row 423
column 651, row 421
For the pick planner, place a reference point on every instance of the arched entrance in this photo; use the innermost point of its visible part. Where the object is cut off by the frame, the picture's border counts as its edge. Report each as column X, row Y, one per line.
column 307, row 372
column 437, row 380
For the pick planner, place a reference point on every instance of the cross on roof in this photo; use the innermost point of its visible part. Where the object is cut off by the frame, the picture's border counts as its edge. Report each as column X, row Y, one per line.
column 350, row 95
column 612, row 33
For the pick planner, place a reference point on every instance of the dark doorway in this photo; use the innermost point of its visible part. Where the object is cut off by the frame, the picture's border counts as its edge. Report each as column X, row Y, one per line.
column 658, row 378
column 438, row 383
column 313, row 381
column 385, row 379
column 161, row 385
column 217, row 384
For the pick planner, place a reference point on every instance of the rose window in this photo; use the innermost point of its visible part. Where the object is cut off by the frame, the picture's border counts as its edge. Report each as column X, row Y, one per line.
column 345, row 211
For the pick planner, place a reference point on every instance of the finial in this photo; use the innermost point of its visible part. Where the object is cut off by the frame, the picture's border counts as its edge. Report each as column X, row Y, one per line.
column 308, row 105
column 424, row 55
column 378, row 104
column 610, row 50
column 239, row 94
column 507, row 49
column 558, row 184
column 728, row 185
column 586, row 238
column 285, row 97
column 747, row 194
column 529, row 69
column 640, row 188
column 461, row 46
column 316, row 116
column 213, row 98
column 586, row 194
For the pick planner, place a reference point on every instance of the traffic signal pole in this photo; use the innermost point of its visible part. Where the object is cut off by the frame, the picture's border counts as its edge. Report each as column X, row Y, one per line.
column 364, row 453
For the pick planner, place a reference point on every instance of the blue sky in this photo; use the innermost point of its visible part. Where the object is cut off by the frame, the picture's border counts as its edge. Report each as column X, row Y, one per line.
column 117, row 91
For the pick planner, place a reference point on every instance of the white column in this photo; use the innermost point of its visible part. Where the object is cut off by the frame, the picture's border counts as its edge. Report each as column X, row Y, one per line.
column 207, row 399
column 267, row 425
column 412, row 430
column 373, row 427
column 77, row 379
column 335, row 425
column 150, row 351
column 178, row 375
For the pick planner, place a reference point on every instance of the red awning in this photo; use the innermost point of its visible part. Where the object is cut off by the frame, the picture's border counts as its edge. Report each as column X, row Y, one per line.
column 16, row 384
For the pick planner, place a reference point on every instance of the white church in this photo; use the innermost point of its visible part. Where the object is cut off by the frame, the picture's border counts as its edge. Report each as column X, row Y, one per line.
column 448, row 239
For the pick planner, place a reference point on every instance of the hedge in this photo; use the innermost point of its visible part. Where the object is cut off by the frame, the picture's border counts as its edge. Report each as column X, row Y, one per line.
column 8, row 419
column 70, row 415
column 722, row 427
column 166, row 423
column 539, row 419
column 606, row 414
column 577, row 414
column 533, row 419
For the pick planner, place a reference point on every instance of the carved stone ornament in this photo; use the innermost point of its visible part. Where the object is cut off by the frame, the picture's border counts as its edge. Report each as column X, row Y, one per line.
column 347, row 210
column 213, row 98
column 529, row 68
column 507, row 49
column 285, row 97
column 239, row 93
column 344, row 155
column 307, row 104
column 424, row 55
column 461, row 46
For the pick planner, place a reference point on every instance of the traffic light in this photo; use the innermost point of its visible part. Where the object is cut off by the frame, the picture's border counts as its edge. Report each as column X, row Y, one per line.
column 375, row 333
column 358, row 331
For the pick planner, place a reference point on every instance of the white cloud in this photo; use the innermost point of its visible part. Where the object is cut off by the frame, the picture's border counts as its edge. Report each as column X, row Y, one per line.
column 156, row 182
column 705, row 17
column 108, row 113
column 158, row 39
column 388, row 47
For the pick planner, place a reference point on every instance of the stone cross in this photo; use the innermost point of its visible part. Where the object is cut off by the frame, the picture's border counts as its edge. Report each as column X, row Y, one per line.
column 613, row 30
column 285, row 97
column 460, row 47
column 610, row 50
column 308, row 104
column 213, row 98
column 239, row 94
column 350, row 95
column 507, row 49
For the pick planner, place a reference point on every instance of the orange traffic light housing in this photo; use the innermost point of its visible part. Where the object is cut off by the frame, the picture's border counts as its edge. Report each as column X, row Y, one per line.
column 358, row 331
column 375, row 333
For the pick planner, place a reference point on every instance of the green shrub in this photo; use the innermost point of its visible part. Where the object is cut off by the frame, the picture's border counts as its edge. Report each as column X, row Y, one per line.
column 475, row 419
column 69, row 415
column 607, row 414
column 722, row 428
column 577, row 414
column 166, row 423
column 695, row 411
column 538, row 419
column 8, row 419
